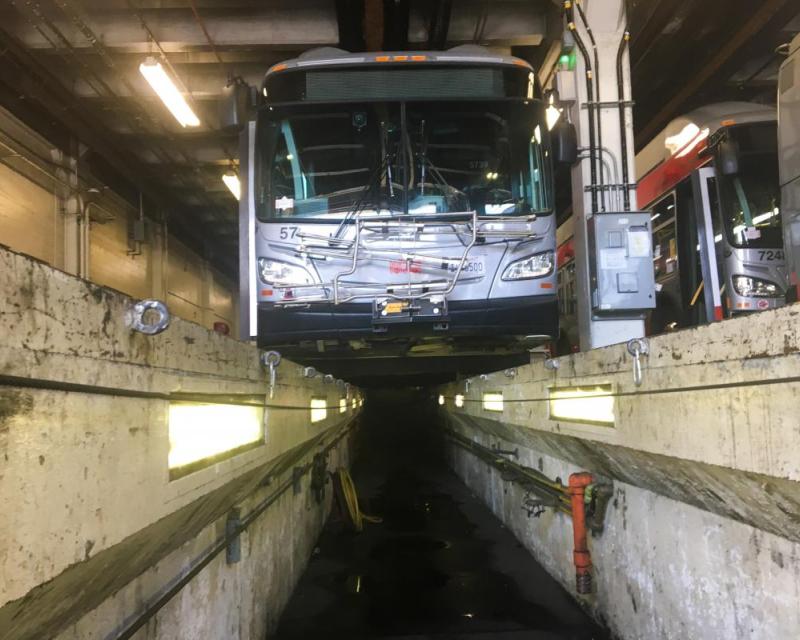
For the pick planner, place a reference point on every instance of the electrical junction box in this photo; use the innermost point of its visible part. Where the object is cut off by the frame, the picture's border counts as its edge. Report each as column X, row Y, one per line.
column 621, row 275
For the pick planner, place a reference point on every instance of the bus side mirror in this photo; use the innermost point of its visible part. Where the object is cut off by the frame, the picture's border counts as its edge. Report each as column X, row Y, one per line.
column 728, row 157
column 565, row 143
column 235, row 105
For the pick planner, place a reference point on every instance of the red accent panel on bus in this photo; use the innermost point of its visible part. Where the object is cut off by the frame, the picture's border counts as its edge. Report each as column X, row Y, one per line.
column 669, row 173
column 565, row 253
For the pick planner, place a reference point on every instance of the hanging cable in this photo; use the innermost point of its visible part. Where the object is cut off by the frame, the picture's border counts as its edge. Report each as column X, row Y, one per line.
column 348, row 492
column 715, row 386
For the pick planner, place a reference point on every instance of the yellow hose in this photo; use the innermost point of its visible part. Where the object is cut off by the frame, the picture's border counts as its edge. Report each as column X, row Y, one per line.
column 696, row 294
column 351, row 499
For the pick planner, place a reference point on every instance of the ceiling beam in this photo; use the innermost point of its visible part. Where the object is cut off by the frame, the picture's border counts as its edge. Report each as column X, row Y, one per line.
column 201, row 82
column 175, row 30
column 190, row 57
column 508, row 24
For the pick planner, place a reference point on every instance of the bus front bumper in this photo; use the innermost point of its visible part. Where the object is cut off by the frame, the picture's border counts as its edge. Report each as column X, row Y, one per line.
column 521, row 316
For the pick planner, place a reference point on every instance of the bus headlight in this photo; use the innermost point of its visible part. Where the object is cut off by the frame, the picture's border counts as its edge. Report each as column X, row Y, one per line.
column 535, row 266
column 280, row 273
column 755, row 287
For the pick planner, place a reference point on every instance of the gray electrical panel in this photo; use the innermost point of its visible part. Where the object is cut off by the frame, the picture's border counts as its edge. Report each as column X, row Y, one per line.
column 621, row 276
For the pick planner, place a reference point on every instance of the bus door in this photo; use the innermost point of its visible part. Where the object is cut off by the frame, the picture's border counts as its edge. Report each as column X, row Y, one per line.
column 703, row 186
column 668, row 314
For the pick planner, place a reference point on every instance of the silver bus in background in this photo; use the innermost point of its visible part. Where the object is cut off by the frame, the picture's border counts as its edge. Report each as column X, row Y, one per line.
column 403, row 209
column 710, row 179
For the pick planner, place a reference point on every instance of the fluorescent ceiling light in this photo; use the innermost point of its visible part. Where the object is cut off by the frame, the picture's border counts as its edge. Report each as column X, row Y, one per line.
column 231, row 181
column 593, row 405
column 165, row 88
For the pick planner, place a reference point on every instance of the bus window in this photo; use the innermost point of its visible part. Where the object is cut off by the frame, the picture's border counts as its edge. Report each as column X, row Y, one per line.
column 331, row 162
column 665, row 243
column 750, row 198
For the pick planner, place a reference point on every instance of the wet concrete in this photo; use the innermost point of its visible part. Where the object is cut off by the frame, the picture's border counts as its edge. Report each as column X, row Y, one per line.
column 439, row 565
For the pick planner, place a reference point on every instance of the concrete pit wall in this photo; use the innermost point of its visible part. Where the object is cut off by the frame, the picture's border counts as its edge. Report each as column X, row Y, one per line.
column 94, row 528
column 702, row 532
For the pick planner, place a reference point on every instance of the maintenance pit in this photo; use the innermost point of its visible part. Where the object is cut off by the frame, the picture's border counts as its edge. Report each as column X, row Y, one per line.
column 450, row 460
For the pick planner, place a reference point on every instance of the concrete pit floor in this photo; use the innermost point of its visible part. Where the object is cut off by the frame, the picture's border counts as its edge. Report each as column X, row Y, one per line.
column 440, row 565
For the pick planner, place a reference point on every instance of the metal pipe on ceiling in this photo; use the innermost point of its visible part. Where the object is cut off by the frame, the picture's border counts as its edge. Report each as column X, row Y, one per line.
column 42, row 19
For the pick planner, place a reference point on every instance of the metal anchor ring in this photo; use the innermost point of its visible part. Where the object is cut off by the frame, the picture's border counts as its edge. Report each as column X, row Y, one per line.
column 638, row 347
column 134, row 317
column 271, row 360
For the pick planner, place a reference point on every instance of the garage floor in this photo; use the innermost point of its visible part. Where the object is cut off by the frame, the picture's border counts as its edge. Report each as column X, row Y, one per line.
column 439, row 565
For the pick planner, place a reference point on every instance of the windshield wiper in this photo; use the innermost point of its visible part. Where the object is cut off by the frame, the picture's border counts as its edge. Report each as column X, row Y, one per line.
column 374, row 180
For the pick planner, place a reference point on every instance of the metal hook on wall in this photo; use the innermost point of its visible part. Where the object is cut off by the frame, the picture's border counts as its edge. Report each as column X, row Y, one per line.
column 638, row 347
column 271, row 360
column 136, row 321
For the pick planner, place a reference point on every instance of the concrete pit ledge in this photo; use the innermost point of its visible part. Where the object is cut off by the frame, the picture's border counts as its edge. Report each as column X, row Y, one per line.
column 702, row 536
column 94, row 527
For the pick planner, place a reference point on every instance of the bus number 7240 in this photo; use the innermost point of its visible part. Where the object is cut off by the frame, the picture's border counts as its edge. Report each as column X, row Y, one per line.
column 770, row 254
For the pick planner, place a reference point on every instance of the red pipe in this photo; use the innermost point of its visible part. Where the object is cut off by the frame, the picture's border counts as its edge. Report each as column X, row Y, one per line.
column 583, row 559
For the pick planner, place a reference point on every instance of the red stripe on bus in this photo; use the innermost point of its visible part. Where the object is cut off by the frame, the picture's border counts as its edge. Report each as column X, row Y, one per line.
column 667, row 174
column 565, row 253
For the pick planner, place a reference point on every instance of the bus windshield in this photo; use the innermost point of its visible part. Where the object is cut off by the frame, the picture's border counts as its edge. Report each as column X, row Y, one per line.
column 751, row 197
column 333, row 162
